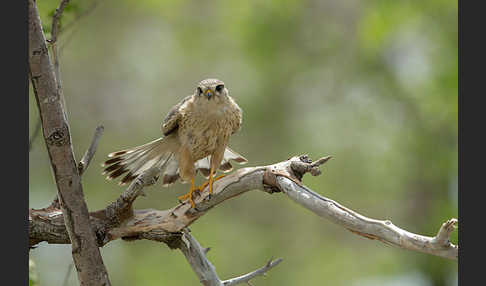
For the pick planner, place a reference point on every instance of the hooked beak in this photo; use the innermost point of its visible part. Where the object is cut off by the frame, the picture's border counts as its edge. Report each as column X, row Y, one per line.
column 208, row 93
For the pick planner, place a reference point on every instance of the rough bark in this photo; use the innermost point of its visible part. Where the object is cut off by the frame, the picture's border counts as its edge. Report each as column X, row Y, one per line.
column 75, row 216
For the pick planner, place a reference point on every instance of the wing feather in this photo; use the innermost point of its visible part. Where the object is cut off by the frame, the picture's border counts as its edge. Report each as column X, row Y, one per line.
column 171, row 121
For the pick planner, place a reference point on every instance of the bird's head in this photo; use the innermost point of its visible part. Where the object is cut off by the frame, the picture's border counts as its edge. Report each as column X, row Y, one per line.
column 211, row 89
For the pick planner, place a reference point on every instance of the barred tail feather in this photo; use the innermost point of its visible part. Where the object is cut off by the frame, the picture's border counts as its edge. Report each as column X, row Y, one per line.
column 160, row 153
column 133, row 162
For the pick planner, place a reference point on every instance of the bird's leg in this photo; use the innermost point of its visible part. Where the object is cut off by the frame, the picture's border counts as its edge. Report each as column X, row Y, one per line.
column 204, row 185
column 189, row 195
column 216, row 159
column 210, row 182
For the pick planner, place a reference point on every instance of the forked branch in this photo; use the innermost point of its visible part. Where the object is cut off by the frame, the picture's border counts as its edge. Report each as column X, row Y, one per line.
column 206, row 272
column 285, row 177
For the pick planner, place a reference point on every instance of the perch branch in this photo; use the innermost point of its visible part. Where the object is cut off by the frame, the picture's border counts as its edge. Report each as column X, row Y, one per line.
column 166, row 225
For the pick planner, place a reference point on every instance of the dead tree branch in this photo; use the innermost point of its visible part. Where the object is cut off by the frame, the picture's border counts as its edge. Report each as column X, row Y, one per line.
column 381, row 230
column 86, row 255
column 78, row 17
column 55, row 20
column 196, row 257
column 166, row 225
column 206, row 272
column 259, row 272
column 119, row 220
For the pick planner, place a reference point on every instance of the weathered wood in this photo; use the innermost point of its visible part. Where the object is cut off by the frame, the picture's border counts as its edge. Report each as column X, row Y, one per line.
column 247, row 277
column 196, row 257
column 381, row 230
column 166, row 225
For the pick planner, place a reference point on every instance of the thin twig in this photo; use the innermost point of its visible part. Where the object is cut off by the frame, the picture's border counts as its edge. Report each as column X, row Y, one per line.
column 55, row 21
column 38, row 126
column 55, row 52
column 71, row 24
column 78, row 17
column 259, row 272
column 88, row 155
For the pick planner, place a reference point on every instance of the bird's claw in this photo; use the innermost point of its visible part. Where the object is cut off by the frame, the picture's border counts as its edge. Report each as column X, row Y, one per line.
column 187, row 196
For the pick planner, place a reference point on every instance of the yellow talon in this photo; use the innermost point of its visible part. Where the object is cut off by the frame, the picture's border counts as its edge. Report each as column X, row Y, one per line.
column 210, row 183
column 205, row 184
column 189, row 194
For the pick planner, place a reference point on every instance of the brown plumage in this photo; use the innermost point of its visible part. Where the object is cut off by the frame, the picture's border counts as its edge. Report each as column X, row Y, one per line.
column 196, row 134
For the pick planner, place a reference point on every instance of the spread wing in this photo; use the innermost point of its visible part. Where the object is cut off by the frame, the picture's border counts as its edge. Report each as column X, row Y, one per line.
column 171, row 121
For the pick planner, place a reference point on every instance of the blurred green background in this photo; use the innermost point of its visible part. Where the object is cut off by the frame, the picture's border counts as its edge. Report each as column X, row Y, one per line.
column 373, row 83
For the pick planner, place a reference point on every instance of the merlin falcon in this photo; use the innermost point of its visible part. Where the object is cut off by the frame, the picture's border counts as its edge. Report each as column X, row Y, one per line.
column 196, row 134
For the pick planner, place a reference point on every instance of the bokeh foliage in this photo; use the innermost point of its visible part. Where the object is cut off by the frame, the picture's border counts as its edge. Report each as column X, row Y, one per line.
column 373, row 83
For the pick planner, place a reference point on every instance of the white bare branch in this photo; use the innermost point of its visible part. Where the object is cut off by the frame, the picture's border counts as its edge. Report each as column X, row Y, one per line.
column 381, row 230
column 206, row 272
column 259, row 272
column 196, row 256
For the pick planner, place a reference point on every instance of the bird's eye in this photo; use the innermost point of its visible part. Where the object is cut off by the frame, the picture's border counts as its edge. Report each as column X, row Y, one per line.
column 199, row 90
column 219, row 88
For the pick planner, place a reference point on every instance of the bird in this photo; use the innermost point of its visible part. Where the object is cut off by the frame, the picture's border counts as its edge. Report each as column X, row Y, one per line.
column 195, row 138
